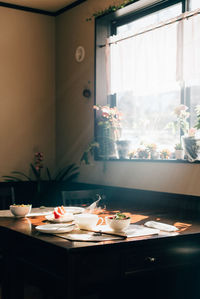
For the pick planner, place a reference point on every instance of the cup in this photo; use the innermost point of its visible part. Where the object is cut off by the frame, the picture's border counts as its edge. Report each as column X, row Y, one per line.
column 87, row 221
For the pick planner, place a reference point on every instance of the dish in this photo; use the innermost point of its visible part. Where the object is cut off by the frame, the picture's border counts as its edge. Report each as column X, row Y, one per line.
column 34, row 214
column 55, row 228
column 74, row 210
column 66, row 218
column 20, row 210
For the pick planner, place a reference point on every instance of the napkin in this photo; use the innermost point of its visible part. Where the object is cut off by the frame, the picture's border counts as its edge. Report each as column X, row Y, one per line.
column 161, row 226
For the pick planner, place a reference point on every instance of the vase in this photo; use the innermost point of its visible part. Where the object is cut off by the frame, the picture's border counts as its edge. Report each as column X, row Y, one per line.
column 179, row 154
column 191, row 146
column 106, row 138
column 123, row 148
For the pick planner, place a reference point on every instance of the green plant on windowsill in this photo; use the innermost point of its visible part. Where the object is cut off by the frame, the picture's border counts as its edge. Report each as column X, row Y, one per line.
column 197, row 110
column 178, row 147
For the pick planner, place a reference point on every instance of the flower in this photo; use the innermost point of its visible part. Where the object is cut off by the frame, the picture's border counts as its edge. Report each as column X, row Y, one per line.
column 180, row 109
column 108, row 116
column 165, row 153
column 180, row 123
column 191, row 132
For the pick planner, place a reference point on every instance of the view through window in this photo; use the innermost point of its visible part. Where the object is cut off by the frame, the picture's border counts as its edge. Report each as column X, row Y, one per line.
column 154, row 78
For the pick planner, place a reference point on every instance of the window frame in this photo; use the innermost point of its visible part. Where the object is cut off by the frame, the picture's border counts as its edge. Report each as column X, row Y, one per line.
column 105, row 26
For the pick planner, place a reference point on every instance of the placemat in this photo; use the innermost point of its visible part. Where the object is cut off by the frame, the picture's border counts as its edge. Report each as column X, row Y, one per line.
column 105, row 233
column 88, row 236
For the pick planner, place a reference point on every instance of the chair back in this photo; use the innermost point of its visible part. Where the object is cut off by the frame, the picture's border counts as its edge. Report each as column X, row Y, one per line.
column 7, row 197
column 80, row 197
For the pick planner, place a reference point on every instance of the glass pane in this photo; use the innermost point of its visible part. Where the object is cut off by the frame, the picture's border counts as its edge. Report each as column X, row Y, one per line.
column 194, row 4
column 152, row 19
column 148, row 109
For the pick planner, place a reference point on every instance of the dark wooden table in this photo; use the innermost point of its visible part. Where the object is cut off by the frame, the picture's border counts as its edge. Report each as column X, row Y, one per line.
column 162, row 266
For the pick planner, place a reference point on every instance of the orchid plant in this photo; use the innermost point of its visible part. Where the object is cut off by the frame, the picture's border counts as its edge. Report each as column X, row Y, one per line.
column 39, row 171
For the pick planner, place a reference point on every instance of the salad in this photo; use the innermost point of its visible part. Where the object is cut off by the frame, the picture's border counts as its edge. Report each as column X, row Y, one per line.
column 119, row 216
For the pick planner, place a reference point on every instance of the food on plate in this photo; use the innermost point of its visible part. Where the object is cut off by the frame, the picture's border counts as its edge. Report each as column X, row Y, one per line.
column 119, row 216
column 59, row 213
column 118, row 222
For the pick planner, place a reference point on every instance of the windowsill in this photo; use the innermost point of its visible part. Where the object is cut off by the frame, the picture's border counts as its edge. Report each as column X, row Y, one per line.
column 150, row 160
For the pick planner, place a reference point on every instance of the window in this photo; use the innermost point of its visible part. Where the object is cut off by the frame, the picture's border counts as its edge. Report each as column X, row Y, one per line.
column 148, row 71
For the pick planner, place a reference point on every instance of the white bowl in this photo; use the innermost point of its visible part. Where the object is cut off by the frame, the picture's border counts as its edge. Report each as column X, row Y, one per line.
column 20, row 210
column 118, row 224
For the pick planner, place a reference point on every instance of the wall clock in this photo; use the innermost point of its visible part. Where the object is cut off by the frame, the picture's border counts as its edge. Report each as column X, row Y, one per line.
column 80, row 54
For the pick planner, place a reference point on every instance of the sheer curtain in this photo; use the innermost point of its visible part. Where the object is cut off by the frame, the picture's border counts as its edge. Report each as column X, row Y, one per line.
column 147, row 70
column 155, row 61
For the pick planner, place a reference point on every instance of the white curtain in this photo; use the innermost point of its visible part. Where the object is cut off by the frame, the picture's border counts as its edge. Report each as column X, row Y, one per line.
column 157, row 60
column 191, row 49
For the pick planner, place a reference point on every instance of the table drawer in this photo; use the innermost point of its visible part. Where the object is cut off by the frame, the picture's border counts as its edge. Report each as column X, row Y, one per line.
column 159, row 258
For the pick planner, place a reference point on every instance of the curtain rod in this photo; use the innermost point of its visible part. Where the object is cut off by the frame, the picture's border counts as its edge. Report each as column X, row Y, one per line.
column 183, row 16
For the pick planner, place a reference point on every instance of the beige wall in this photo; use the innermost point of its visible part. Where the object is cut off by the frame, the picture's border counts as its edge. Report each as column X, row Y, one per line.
column 27, row 89
column 75, row 115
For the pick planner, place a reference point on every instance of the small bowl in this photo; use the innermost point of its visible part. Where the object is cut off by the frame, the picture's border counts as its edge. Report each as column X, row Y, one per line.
column 20, row 210
column 118, row 224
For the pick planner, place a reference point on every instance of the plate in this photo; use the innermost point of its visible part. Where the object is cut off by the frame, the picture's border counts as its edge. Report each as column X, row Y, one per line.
column 55, row 228
column 67, row 218
column 35, row 214
column 74, row 210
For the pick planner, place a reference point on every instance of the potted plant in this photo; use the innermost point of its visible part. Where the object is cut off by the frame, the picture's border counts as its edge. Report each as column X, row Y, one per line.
column 191, row 142
column 179, row 152
column 165, row 154
column 143, row 153
column 153, row 153
column 45, row 183
column 107, row 130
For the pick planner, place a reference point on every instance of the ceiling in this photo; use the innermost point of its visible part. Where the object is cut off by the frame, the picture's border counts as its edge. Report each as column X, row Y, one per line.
column 47, row 5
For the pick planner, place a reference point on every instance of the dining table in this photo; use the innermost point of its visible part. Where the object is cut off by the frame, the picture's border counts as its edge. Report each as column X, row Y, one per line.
column 105, row 265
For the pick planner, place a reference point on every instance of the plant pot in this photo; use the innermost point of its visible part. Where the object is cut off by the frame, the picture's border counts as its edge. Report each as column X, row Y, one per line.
column 191, row 147
column 106, row 139
column 154, row 155
column 179, row 154
column 123, row 148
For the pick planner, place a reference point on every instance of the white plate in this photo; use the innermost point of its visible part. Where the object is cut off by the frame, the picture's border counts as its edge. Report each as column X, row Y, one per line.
column 55, row 228
column 74, row 210
column 67, row 218
column 34, row 214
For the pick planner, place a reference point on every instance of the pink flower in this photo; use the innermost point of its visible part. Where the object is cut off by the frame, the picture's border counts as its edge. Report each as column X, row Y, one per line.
column 180, row 108
column 191, row 132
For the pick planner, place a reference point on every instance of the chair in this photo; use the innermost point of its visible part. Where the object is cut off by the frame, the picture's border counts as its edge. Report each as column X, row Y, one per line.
column 81, row 197
column 7, row 197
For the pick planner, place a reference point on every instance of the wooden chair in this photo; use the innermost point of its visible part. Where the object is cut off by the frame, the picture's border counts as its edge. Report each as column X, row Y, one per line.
column 7, row 197
column 81, row 197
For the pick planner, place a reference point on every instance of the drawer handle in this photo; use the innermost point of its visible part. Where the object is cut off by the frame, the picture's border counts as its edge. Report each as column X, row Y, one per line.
column 151, row 259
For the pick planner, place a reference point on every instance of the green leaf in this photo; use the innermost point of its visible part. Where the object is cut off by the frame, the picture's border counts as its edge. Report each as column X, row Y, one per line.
column 65, row 171
column 12, row 178
column 35, row 172
column 48, row 174
column 71, row 177
column 22, row 174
